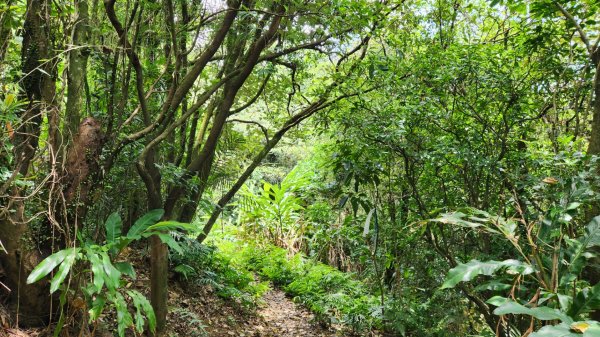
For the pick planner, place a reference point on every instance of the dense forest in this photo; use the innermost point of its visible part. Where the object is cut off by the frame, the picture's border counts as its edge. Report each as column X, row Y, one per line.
column 300, row 168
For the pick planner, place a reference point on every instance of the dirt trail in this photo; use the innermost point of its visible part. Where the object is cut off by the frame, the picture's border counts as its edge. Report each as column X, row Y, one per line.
column 284, row 318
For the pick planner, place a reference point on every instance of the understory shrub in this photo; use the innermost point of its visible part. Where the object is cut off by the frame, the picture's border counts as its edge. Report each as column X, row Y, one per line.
column 206, row 265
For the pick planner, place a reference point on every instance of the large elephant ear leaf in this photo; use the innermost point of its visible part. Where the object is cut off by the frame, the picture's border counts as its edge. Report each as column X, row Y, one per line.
column 144, row 222
column 467, row 271
column 113, row 226
column 48, row 264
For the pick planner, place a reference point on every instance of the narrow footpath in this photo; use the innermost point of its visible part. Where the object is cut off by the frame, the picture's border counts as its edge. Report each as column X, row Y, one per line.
column 284, row 318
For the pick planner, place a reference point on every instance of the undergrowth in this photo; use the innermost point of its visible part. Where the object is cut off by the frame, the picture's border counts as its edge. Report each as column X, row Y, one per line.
column 206, row 265
column 333, row 296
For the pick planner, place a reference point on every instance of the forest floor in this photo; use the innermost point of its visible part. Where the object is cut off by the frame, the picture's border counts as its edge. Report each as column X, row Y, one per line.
column 200, row 313
column 197, row 311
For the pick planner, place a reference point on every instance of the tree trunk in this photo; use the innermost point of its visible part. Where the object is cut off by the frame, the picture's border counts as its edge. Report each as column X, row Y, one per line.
column 76, row 76
column 594, row 149
column 31, row 304
column 5, row 34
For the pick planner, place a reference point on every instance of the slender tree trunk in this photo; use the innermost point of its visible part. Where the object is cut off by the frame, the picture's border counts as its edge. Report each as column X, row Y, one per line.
column 594, row 149
column 5, row 35
column 76, row 76
column 594, row 145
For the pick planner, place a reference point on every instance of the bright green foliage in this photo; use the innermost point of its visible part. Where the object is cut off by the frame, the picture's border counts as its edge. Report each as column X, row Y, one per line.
column 552, row 263
column 106, row 287
column 205, row 265
column 333, row 296
column 466, row 272
column 275, row 210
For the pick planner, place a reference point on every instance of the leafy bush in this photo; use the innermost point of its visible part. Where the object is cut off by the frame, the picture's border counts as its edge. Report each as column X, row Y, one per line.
column 102, row 283
column 545, row 282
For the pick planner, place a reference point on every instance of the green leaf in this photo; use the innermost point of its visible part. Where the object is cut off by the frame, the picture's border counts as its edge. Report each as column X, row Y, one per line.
column 63, row 270
column 97, row 307
column 561, row 330
column 98, row 271
column 463, row 220
column 111, row 275
column 113, row 226
column 565, row 330
column 142, row 304
column 467, row 271
column 171, row 225
column 48, row 264
column 586, row 300
column 541, row 313
column 125, row 268
column 124, row 318
column 592, row 233
column 494, row 285
column 144, row 222
column 139, row 318
column 581, row 246
column 170, row 241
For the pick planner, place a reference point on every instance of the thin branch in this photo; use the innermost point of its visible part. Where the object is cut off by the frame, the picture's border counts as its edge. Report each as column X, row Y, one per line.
column 254, row 98
column 262, row 128
column 570, row 17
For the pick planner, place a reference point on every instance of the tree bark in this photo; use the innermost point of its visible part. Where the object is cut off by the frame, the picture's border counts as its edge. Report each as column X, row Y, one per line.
column 593, row 274
column 77, row 73
column 30, row 304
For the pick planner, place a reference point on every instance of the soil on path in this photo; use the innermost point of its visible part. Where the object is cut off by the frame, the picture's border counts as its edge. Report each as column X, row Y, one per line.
column 284, row 318
column 199, row 313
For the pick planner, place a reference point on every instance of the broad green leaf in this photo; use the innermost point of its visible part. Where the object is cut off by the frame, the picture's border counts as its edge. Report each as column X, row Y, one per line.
column 592, row 233
column 497, row 300
column 125, row 268
column 561, row 330
column 111, row 275
column 48, row 264
column 124, row 318
column 141, row 302
column 565, row 301
column 139, row 318
column 171, row 225
column 541, row 313
column 144, row 222
column 169, row 241
column 590, row 329
column 586, row 300
column 63, row 270
column 98, row 270
column 467, row 271
column 113, row 226
column 460, row 219
column 494, row 285
column 579, row 248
